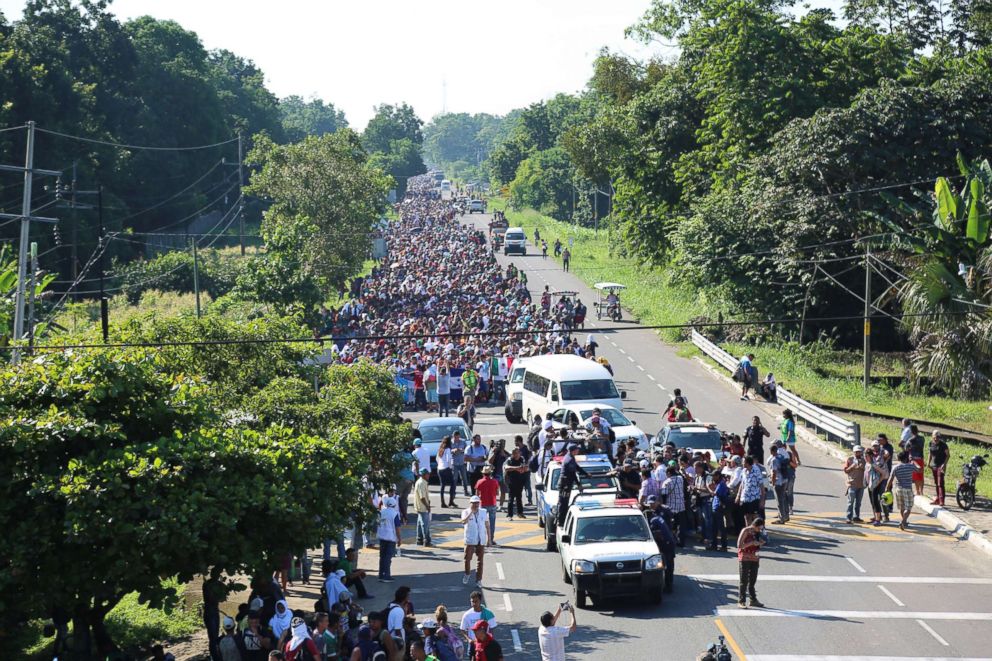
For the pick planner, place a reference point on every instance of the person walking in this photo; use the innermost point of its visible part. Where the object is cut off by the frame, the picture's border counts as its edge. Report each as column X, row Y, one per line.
column 389, row 538
column 901, row 479
column 854, row 468
column 475, row 458
column 422, row 506
column 754, row 437
column 751, row 493
column 779, row 461
column 940, row 454
column 915, row 445
column 745, row 374
column 459, row 466
column 551, row 637
column 663, row 538
column 673, row 495
column 876, row 475
column 445, row 471
column 721, row 500
column 787, row 429
column 566, row 257
column 476, row 536
column 488, row 491
column 749, row 542
column 516, row 474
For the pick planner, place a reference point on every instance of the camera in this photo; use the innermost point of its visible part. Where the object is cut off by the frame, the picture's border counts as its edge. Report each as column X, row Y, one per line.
column 565, row 605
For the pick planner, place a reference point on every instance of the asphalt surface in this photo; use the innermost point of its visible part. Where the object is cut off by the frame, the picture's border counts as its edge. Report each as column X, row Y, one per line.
column 833, row 592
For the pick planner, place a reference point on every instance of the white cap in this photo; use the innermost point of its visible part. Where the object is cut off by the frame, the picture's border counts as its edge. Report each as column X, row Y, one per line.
column 228, row 622
column 390, row 502
column 858, row 448
column 645, row 463
column 547, row 424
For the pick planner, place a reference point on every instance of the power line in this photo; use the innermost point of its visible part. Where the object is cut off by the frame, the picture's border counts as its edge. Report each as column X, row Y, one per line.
column 14, row 128
column 139, row 147
column 171, row 197
column 418, row 336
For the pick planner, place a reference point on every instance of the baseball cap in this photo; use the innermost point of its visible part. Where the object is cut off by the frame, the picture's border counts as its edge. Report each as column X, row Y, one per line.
column 486, row 470
column 429, row 623
column 425, row 471
column 651, row 500
column 645, row 463
column 228, row 622
column 547, row 424
column 858, row 448
column 572, row 446
column 390, row 502
column 641, row 454
column 481, row 624
column 475, row 499
column 417, row 441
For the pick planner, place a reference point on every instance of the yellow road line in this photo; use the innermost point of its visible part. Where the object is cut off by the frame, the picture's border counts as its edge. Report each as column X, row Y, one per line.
column 730, row 641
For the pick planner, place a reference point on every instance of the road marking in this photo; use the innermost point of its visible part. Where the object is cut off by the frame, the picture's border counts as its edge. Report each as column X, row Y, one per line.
column 506, row 602
column 803, row 578
column 651, row 377
column 833, row 657
column 622, row 351
column 630, row 359
column 499, row 572
column 517, row 646
column 730, row 640
column 661, row 386
column 640, row 368
column 853, row 615
column 891, row 596
column 855, row 564
column 929, row 630
column 613, row 343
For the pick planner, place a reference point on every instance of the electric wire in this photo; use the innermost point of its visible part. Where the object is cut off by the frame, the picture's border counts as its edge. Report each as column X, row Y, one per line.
column 119, row 145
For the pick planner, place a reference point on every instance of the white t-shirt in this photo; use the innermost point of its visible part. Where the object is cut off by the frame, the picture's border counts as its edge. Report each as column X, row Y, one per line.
column 471, row 617
column 444, row 460
column 422, row 456
column 552, row 640
column 475, row 527
column 394, row 621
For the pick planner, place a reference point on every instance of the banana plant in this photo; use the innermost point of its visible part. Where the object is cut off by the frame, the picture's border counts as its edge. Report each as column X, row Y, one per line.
column 8, row 293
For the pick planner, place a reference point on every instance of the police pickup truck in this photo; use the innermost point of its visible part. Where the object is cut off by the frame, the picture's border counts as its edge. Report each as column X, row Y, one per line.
column 607, row 550
column 599, row 482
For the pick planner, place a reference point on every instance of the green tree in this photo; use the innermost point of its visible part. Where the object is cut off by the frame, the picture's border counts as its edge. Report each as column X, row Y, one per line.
column 402, row 161
column 391, row 123
column 325, row 199
column 247, row 104
column 544, row 182
column 301, row 118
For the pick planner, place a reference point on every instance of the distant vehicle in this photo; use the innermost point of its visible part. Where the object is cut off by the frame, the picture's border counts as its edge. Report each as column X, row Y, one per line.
column 599, row 483
column 623, row 428
column 432, row 430
column 552, row 382
column 515, row 391
column 607, row 550
column 445, row 185
column 515, row 241
column 438, row 176
column 477, row 206
column 702, row 436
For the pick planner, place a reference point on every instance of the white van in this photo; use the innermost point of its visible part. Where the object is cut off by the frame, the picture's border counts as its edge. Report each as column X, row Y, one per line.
column 551, row 382
column 514, row 240
column 445, row 186
column 515, row 391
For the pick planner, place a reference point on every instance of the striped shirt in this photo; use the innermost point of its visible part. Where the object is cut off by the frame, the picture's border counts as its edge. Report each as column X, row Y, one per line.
column 674, row 488
column 650, row 487
column 903, row 475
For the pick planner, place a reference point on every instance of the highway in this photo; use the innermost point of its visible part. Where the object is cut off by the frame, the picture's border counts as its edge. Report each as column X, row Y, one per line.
column 834, row 592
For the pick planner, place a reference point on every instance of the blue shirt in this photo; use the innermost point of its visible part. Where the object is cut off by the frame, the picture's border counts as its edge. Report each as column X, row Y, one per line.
column 720, row 495
column 406, row 459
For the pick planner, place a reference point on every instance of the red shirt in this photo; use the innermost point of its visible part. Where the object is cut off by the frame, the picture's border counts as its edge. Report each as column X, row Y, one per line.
column 487, row 489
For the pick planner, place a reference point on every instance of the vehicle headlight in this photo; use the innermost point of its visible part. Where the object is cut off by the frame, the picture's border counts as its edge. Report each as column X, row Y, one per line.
column 517, row 396
column 654, row 562
column 584, row 567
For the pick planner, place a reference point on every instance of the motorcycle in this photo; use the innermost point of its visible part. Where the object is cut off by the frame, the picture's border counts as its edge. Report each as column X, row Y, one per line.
column 966, row 485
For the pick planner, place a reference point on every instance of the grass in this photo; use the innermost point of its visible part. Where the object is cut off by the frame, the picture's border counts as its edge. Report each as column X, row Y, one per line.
column 132, row 625
column 816, row 372
column 82, row 319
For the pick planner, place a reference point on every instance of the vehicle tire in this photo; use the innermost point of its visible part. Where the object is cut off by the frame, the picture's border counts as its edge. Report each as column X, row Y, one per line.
column 549, row 538
column 564, row 574
column 965, row 496
column 579, row 600
column 508, row 412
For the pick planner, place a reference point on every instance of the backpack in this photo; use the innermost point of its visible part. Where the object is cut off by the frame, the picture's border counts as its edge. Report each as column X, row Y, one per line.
column 783, row 465
column 371, row 649
column 681, row 414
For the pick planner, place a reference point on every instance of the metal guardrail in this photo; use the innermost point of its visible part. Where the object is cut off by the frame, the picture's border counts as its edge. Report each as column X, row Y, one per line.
column 833, row 425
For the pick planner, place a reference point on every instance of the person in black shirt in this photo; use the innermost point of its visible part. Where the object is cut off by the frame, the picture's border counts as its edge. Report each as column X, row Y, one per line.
column 516, row 473
column 939, row 456
column 754, row 440
column 570, row 471
column 526, row 454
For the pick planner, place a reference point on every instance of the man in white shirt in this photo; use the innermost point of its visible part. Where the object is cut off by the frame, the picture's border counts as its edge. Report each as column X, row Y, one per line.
column 552, row 637
column 476, row 522
column 477, row 612
column 421, row 457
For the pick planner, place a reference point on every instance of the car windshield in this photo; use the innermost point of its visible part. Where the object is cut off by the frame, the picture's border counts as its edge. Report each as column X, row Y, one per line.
column 613, row 416
column 515, row 236
column 696, row 439
column 599, row 529
column 591, row 389
column 434, row 433
column 518, row 375
column 593, row 482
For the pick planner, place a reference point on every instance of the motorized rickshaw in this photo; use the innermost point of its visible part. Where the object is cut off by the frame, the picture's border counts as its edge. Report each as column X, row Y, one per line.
column 608, row 304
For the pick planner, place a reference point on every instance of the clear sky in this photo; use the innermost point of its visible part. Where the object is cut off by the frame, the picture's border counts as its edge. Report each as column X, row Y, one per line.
column 493, row 56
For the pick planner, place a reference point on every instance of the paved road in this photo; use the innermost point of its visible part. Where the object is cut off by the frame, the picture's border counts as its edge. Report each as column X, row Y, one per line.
column 833, row 591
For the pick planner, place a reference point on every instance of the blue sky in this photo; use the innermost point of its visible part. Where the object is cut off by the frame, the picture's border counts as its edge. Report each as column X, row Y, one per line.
column 489, row 56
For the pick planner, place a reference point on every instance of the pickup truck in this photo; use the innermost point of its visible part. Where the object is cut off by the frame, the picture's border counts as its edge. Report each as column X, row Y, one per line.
column 599, row 483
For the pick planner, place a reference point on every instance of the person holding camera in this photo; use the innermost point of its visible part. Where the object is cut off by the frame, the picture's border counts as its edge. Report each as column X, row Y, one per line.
column 551, row 636
column 854, row 467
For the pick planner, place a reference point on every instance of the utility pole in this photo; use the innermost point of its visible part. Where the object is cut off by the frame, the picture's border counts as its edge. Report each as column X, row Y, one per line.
column 196, row 276
column 32, row 285
column 104, row 305
column 867, row 331
column 241, row 202
column 22, row 254
column 74, row 250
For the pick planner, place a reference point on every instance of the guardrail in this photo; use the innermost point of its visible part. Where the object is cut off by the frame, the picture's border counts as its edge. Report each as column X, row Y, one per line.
column 836, row 427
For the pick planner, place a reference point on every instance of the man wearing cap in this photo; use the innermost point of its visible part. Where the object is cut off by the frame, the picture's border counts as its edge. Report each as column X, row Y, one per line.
column 488, row 490
column 485, row 646
column 854, row 468
column 551, row 637
column 436, row 644
column 256, row 640
column 422, row 506
column 476, row 523
column 228, row 643
column 663, row 537
column 570, row 471
column 475, row 458
column 389, row 538
column 421, row 456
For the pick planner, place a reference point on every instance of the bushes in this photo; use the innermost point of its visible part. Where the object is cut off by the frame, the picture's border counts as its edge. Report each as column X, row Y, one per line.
column 173, row 271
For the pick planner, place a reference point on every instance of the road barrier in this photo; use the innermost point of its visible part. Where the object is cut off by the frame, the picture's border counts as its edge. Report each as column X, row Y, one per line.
column 835, row 427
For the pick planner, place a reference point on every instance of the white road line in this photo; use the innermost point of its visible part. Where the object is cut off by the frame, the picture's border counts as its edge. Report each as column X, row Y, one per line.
column 651, row 377
column 506, row 602
column 661, row 386
column 613, row 343
column 640, row 368
column 630, row 358
column 499, row 572
column 891, row 596
column 853, row 615
column 622, row 351
column 804, row 578
column 517, row 646
column 929, row 630
column 855, row 564
column 837, row 657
